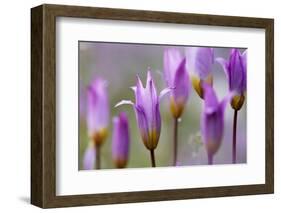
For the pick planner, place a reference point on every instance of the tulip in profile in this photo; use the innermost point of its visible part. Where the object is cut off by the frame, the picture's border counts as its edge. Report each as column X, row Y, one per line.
column 97, row 115
column 147, row 112
column 199, row 62
column 212, row 121
column 120, row 140
column 235, row 69
column 176, row 77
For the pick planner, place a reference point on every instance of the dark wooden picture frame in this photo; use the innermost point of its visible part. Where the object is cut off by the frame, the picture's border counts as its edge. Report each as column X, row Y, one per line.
column 43, row 105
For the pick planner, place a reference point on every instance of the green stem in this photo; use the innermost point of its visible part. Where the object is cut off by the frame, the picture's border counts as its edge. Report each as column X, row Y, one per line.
column 234, row 136
column 175, row 141
column 153, row 164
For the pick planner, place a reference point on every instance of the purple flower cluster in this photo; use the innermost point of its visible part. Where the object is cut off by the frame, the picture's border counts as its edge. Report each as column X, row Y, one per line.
column 181, row 72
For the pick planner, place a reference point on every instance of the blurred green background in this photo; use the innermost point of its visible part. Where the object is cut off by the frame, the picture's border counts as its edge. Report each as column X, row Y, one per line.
column 119, row 63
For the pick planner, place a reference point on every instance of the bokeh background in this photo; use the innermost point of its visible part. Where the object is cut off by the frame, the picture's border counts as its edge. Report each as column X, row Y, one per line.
column 119, row 63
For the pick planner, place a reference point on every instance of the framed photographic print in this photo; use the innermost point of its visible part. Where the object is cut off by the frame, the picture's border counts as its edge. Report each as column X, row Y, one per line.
column 136, row 106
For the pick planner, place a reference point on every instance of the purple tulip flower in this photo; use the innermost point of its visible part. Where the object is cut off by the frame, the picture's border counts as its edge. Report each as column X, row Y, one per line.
column 89, row 158
column 235, row 69
column 199, row 62
column 176, row 77
column 97, row 111
column 212, row 121
column 147, row 112
column 120, row 140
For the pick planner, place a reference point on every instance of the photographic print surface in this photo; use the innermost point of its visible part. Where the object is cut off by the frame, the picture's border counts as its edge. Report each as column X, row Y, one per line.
column 148, row 105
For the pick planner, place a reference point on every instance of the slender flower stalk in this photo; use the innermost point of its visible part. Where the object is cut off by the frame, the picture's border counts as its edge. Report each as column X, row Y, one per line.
column 176, row 77
column 234, row 136
column 147, row 112
column 235, row 69
column 199, row 62
column 152, row 157
column 212, row 121
column 97, row 116
column 120, row 140
column 175, row 141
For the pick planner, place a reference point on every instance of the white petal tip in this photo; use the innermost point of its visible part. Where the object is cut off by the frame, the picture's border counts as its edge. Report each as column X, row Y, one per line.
column 123, row 102
column 164, row 92
column 133, row 88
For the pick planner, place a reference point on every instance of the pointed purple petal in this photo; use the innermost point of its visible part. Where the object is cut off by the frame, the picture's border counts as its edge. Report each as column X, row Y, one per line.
column 157, row 127
column 91, row 110
column 204, row 59
column 172, row 59
column 244, row 59
column 149, row 99
column 139, row 92
column 200, row 61
column 210, row 98
column 150, row 88
column 182, row 84
column 236, row 71
column 225, row 65
column 120, row 138
column 191, row 58
column 97, row 106
column 212, row 121
column 212, row 127
column 142, row 123
column 89, row 158
column 165, row 92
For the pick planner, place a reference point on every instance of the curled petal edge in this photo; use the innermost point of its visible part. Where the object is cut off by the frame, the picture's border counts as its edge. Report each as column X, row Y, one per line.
column 124, row 102
column 165, row 92
column 224, row 65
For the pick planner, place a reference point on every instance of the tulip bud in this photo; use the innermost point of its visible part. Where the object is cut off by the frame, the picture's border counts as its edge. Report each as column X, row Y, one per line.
column 199, row 62
column 120, row 140
column 176, row 77
column 212, row 120
column 97, row 111
column 235, row 70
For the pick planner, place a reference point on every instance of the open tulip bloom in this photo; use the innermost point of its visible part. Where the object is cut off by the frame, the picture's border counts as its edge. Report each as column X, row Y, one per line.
column 176, row 77
column 199, row 62
column 120, row 140
column 147, row 112
column 235, row 69
column 212, row 121
column 97, row 115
